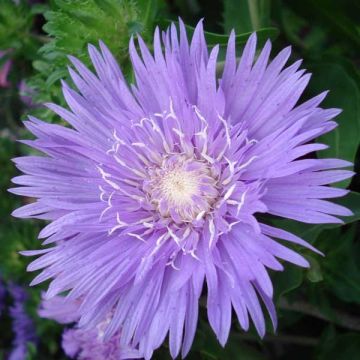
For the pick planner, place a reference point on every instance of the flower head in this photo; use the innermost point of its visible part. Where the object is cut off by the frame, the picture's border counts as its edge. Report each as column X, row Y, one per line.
column 22, row 325
column 156, row 188
column 84, row 344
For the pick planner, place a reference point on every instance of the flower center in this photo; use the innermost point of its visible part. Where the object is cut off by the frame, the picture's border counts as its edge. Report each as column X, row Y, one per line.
column 178, row 186
column 181, row 188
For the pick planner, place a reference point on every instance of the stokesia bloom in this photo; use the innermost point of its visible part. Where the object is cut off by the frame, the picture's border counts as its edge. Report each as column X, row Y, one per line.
column 155, row 188
column 22, row 325
column 84, row 344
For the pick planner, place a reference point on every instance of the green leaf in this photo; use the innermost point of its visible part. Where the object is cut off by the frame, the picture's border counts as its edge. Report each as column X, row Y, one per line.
column 240, row 39
column 343, row 347
column 314, row 273
column 332, row 12
column 344, row 94
column 287, row 280
column 341, row 264
column 206, row 346
column 148, row 9
column 15, row 23
column 55, row 76
column 336, row 16
column 301, row 31
column 71, row 26
column 109, row 7
column 246, row 15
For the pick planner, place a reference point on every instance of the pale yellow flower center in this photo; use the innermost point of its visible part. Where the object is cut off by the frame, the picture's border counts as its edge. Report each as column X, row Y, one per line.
column 178, row 186
column 182, row 188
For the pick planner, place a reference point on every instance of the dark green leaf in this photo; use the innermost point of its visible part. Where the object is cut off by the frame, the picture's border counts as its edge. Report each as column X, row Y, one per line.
column 206, row 346
column 314, row 273
column 344, row 94
column 55, row 76
column 343, row 347
column 287, row 280
column 148, row 10
column 333, row 12
column 341, row 264
column 246, row 16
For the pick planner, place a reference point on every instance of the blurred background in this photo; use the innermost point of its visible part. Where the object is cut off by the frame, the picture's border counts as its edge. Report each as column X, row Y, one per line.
column 319, row 312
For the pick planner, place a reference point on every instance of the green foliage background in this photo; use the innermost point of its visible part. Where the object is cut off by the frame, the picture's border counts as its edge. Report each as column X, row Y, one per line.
column 319, row 309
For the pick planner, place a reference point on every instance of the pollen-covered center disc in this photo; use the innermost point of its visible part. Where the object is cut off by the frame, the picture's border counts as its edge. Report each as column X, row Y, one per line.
column 181, row 188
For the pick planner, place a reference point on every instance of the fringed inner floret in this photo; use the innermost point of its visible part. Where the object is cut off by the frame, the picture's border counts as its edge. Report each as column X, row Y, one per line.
column 181, row 188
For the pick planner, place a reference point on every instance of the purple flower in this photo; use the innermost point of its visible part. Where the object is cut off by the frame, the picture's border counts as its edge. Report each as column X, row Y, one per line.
column 84, row 344
column 157, row 187
column 23, row 327
column 60, row 310
column 4, row 70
